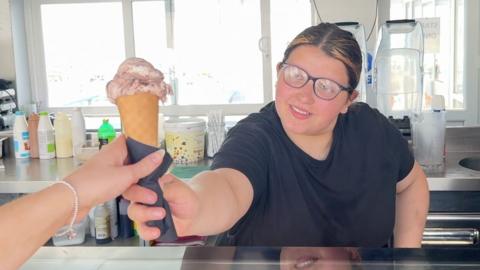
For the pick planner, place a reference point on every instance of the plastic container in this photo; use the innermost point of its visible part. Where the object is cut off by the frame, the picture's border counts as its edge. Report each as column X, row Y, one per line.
column 78, row 131
column 46, row 137
column 185, row 139
column 106, row 133
column 358, row 32
column 398, row 69
column 21, row 136
column 79, row 235
column 63, row 136
column 33, row 120
column 429, row 137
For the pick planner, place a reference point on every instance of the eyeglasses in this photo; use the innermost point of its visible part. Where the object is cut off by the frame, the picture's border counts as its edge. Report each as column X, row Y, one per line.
column 323, row 88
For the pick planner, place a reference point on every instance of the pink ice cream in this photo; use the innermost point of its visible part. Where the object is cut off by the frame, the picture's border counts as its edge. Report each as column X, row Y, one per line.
column 137, row 75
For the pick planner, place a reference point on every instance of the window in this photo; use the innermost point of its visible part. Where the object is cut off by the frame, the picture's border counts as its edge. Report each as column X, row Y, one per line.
column 212, row 52
column 81, row 54
column 443, row 66
column 288, row 18
column 213, row 56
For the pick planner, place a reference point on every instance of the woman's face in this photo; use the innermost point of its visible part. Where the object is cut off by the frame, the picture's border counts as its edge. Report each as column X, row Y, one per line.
column 323, row 258
column 301, row 111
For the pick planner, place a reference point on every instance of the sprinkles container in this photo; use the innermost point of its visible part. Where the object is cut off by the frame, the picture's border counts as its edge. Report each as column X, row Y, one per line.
column 185, row 139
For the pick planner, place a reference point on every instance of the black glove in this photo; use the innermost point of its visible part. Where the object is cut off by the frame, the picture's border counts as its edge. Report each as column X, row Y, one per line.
column 136, row 152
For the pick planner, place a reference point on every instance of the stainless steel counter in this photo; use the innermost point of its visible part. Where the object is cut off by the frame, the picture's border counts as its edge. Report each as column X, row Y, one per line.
column 30, row 175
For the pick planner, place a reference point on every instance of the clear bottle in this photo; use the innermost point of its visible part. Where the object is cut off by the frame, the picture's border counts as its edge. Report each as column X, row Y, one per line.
column 21, row 136
column 78, row 131
column 106, row 133
column 113, row 213
column 33, row 120
column 102, row 225
column 46, row 137
column 63, row 136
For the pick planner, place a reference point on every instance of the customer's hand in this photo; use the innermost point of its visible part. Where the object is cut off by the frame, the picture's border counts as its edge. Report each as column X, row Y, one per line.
column 105, row 176
column 181, row 198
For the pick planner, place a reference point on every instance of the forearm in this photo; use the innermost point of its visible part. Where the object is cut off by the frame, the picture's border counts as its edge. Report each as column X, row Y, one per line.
column 219, row 207
column 30, row 221
column 411, row 213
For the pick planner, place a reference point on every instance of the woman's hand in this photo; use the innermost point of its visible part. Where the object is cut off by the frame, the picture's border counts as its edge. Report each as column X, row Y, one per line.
column 105, row 176
column 182, row 199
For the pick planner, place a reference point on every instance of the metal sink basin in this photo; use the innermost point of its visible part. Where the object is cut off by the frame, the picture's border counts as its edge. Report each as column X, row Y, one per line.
column 472, row 163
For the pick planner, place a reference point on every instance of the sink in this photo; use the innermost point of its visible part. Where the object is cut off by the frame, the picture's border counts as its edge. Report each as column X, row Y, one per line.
column 472, row 163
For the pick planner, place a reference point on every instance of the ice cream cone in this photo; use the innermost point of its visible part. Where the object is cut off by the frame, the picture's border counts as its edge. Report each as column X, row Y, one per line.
column 139, row 116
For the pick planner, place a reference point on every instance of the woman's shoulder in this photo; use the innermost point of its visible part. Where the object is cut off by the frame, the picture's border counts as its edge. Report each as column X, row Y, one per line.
column 264, row 120
column 364, row 120
column 362, row 113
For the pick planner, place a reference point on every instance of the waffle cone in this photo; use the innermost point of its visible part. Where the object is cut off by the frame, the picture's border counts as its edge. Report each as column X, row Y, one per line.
column 139, row 116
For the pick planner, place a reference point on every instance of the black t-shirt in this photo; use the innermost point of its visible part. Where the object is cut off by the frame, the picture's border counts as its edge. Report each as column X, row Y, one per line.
column 348, row 199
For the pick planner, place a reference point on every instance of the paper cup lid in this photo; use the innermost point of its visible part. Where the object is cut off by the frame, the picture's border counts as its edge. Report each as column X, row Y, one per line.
column 184, row 122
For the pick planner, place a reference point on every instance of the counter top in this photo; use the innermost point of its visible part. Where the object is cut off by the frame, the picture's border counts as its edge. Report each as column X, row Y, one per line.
column 251, row 258
column 30, row 175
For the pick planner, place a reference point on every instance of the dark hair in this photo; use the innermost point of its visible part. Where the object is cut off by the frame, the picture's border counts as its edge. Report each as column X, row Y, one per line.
column 334, row 42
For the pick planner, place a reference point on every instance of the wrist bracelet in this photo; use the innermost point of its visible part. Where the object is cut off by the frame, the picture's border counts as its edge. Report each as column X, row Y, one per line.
column 70, row 232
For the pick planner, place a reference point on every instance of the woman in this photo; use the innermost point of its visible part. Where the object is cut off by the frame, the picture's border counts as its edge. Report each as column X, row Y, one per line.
column 310, row 169
column 27, row 223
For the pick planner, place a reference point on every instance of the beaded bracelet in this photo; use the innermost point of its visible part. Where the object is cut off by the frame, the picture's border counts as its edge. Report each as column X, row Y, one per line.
column 70, row 231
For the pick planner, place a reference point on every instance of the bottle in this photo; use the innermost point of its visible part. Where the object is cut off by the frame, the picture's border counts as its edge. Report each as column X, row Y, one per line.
column 91, row 217
column 33, row 119
column 46, row 137
column 63, row 136
column 78, row 131
column 102, row 225
column 125, row 223
column 21, row 136
column 106, row 133
column 113, row 213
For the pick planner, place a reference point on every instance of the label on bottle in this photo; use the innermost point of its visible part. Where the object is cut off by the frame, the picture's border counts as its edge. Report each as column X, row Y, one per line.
column 102, row 227
column 102, row 142
column 46, row 144
column 25, row 135
column 21, row 145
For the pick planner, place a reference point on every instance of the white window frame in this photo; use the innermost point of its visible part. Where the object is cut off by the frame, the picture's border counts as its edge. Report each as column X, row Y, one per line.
column 471, row 114
column 36, row 56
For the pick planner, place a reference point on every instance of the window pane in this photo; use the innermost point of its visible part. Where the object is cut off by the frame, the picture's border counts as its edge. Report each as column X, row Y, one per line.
column 457, row 95
column 150, row 32
column 288, row 18
column 83, row 46
column 214, row 56
column 443, row 69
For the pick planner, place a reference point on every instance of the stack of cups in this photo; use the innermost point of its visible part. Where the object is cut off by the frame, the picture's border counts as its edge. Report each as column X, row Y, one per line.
column 429, row 137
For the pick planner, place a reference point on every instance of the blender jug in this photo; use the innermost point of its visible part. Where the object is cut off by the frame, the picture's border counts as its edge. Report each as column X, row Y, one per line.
column 398, row 72
column 358, row 33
